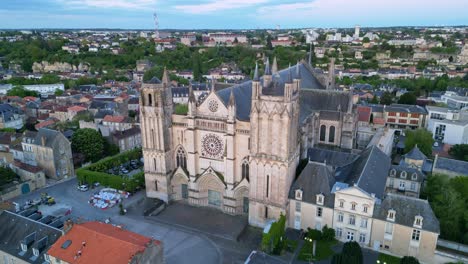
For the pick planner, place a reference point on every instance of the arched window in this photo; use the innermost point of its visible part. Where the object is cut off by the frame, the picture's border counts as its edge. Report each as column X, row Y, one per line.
column 150, row 100
column 245, row 170
column 331, row 134
column 323, row 131
column 393, row 172
column 181, row 158
column 403, row 174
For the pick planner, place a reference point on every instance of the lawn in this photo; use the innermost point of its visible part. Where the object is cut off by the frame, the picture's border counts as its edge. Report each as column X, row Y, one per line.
column 323, row 251
column 387, row 259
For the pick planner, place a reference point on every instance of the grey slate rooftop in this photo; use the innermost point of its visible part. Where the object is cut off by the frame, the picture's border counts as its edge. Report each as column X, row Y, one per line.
column 453, row 165
column 314, row 179
column 330, row 157
column 329, row 103
column 415, row 154
column 369, row 171
column 410, row 171
column 16, row 229
column 407, row 208
column 243, row 91
column 402, row 108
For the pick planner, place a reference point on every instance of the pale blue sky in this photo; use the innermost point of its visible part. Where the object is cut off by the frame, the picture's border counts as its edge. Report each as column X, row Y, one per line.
column 230, row 14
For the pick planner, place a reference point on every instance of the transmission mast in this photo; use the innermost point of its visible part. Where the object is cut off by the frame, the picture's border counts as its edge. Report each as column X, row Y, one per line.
column 156, row 26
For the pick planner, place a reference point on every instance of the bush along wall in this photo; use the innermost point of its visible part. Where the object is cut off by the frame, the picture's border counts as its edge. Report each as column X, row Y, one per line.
column 97, row 172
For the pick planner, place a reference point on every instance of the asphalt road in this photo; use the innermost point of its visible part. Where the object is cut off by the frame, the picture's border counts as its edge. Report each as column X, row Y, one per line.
column 180, row 246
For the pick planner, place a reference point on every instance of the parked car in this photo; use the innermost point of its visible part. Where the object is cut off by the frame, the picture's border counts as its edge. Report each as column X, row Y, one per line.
column 97, row 184
column 83, row 188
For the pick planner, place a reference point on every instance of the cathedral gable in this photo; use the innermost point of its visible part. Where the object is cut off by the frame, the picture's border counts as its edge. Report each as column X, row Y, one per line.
column 213, row 106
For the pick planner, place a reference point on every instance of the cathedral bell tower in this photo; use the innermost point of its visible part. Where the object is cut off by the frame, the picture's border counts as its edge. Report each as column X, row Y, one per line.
column 156, row 124
column 274, row 149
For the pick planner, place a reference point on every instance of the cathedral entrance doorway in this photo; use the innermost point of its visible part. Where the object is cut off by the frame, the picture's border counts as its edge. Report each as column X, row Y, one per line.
column 214, row 198
column 245, row 207
column 179, row 186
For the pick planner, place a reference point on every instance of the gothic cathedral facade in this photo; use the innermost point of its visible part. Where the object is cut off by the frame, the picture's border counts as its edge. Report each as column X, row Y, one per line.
column 237, row 150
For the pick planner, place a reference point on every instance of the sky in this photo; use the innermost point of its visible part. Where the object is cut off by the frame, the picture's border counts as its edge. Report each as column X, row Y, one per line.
column 230, row 14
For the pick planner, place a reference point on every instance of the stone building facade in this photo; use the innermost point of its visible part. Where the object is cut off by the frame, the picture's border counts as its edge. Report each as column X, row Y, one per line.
column 238, row 148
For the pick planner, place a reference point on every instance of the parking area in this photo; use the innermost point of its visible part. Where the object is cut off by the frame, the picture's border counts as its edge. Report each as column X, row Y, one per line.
column 127, row 169
column 180, row 246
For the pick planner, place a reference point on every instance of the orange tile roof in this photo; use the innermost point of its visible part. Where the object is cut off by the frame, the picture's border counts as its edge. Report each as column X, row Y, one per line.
column 105, row 244
column 116, row 119
column 76, row 108
column 46, row 123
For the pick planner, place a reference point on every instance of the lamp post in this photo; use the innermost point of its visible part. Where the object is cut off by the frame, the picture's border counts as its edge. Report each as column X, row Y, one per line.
column 314, row 245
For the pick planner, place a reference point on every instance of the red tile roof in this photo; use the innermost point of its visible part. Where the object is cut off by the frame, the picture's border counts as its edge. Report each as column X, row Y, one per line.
column 378, row 121
column 364, row 113
column 29, row 98
column 76, row 108
column 115, row 119
column 105, row 244
column 46, row 123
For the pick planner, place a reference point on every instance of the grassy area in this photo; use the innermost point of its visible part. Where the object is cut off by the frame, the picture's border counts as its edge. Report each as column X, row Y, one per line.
column 323, row 251
column 181, row 109
column 384, row 258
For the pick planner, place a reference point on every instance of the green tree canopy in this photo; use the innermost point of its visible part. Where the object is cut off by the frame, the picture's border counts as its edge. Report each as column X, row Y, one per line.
column 386, row 99
column 459, row 151
column 420, row 137
column 407, row 98
column 409, row 260
column 89, row 142
column 21, row 92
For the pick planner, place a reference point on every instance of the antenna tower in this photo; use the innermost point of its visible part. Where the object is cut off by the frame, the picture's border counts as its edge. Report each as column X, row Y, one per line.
column 156, row 25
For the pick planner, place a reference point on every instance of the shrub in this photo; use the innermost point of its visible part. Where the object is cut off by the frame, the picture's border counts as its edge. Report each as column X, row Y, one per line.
column 314, row 234
column 328, row 233
column 409, row 260
column 274, row 241
column 352, row 252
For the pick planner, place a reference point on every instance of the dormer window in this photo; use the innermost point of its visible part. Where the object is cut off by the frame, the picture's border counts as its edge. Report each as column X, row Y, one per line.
column 403, row 174
column 353, row 206
column 418, row 221
column 24, row 247
column 393, row 172
column 414, row 176
column 320, row 199
column 299, row 195
column 391, row 215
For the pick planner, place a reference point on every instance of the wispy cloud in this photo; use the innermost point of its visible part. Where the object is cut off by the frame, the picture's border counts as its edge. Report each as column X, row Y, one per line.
column 121, row 4
column 218, row 5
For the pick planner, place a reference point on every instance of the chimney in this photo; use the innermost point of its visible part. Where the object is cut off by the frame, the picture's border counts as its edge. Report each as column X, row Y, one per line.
column 43, row 141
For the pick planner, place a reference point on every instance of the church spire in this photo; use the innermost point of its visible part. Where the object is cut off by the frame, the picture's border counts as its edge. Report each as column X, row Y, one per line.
column 298, row 70
column 290, row 79
column 232, row 99
column 255, row 77
column 274, row 67
column 165, row 79
column 267, row 67
column 310, row 55
column 212, row 85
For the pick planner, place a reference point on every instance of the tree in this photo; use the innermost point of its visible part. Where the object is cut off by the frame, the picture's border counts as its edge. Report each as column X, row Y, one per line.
column 407, row 98
column 365, row 40
column 409, row 260
column 58, row 92
column 386, row 99
column 269, row 46
column 420, row 137
column 352, row 252
column 89, row 142
column 374, row 100
column 459, row 151
column 21, row 92
column 6, row 175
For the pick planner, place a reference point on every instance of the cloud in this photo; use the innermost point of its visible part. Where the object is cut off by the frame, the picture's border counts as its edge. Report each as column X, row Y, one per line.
column 218, row 5
column 121, row 4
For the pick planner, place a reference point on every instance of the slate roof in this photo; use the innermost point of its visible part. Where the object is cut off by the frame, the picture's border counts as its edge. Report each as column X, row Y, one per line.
column 102, row 113
column 331, row 157
column 364, row 113
column 154, row 80
column 15, row 228
column 49, row 135
column 126, row 133
column 314, row 100
column 456, row 166
column 368, row 171
column 7, row 111
column 415, row 154
column 407, row 208
column 402, row 108
column 409, row 173
column 314, row 179
column 243, row 91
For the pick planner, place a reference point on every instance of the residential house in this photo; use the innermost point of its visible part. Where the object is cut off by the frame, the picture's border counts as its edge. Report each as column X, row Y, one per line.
column 116, row 123
column 127, row 139
column 31, row 175
column 23, row 240
column 400, row 116
column 404, row 180
column 50, row 150
column 97, row 242
column 405, row 226
column 74, row 110
column 450, row 167
column 11, row 117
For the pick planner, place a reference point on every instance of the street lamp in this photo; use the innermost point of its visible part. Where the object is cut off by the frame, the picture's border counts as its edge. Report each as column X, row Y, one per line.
column 314, row 245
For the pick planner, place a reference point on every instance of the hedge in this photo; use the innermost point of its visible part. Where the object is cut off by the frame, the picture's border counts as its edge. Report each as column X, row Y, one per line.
column 96, row 172
column 275, row 240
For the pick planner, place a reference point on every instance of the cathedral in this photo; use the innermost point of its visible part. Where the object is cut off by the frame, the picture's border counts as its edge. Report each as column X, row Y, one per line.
column 237, row 150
